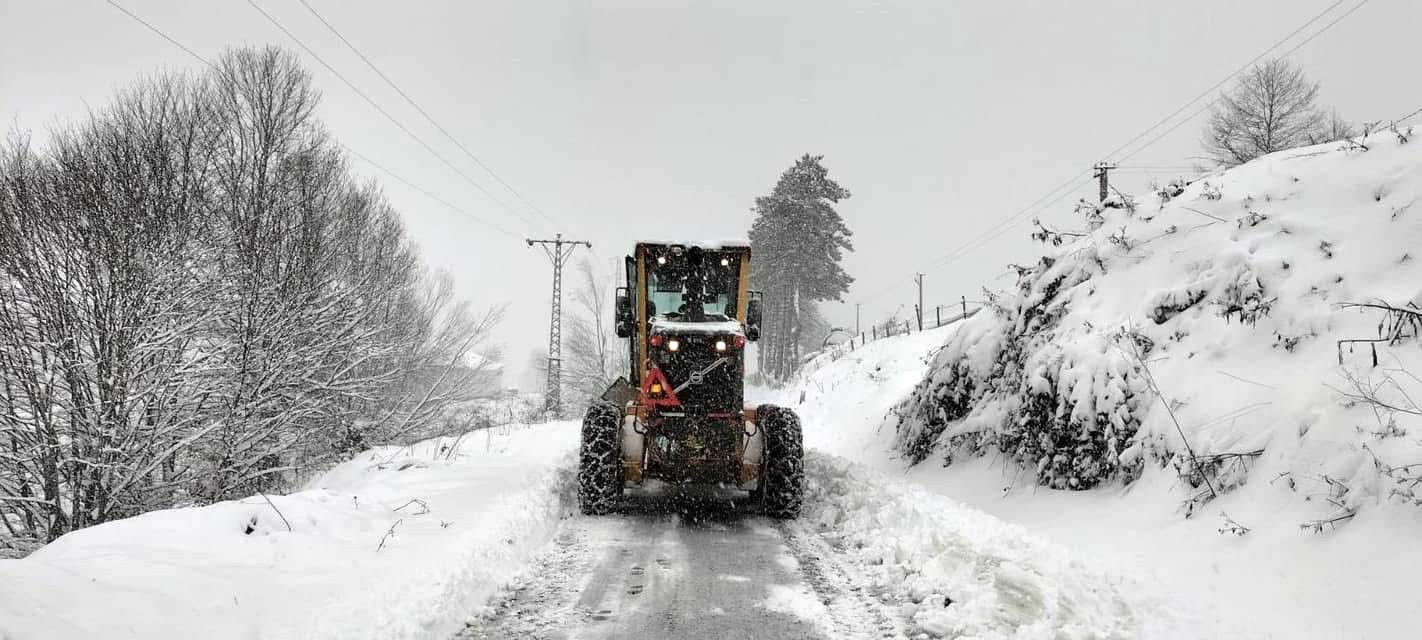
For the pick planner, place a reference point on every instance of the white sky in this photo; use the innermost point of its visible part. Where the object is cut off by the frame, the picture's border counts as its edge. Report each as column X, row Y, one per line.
column 623, row 120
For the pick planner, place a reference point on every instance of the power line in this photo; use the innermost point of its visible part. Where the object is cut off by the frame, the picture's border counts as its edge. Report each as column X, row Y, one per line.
column 1292, row 49
column 353, row 152
column 1007, row 222
column 1407, row 117
column 487, row 169
column 385, row 113
column 971, row 245
column 429, row 195
column 160, row 33
column 1227, row 78
column 1070, row 186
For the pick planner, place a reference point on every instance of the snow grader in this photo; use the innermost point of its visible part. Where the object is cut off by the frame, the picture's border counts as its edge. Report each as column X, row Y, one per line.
column 679, row 416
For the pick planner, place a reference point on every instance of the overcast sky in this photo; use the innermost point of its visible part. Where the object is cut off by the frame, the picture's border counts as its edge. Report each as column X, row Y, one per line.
column 627, row 120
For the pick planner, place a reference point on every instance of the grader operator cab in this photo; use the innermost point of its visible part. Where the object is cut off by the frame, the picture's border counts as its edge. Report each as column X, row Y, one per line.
column 679, row 415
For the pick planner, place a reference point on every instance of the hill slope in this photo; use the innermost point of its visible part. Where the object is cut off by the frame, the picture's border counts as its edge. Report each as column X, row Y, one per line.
column 1232, row 301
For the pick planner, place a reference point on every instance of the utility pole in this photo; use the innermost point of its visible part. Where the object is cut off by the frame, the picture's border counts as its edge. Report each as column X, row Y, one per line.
column 856, row 318
column 918, row 278
column 558, row 251
column 1103, row 178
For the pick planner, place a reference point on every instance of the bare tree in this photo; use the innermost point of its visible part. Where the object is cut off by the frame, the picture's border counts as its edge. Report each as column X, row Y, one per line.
column 1270, row 108
column 197, row 303
column 1334, row 128
column 595, row 357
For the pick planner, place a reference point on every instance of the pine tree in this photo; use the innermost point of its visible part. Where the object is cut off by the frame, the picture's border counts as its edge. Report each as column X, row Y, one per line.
column 797, row 243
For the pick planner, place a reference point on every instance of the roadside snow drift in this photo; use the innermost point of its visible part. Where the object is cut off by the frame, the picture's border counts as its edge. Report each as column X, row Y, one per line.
column 392, row 544
column 956, row 572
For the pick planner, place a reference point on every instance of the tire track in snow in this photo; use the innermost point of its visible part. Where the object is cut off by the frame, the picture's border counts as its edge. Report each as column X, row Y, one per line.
column 684, row 565
column 854, row 610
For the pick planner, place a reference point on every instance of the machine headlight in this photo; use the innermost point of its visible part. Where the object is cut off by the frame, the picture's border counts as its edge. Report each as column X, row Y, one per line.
column 720, row 345
column 673, row 345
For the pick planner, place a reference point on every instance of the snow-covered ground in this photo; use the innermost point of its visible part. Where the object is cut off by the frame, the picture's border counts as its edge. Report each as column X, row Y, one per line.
column 1275, row 582
column 349, row 557
column 413, row 543
column 957, row 572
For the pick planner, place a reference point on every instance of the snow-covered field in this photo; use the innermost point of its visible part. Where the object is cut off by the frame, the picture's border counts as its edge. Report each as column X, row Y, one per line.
column 326, row 566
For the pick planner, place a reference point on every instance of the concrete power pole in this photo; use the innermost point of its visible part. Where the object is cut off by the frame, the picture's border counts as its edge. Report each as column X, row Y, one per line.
column 1103, row 178
column 558, row 251
column 918, row 278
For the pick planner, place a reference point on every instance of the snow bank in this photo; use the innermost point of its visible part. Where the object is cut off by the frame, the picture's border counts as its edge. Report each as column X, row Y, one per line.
column 843, row 396
column 960, row 573
column 1229, row 296
column 1275, row 581
column 392, row 544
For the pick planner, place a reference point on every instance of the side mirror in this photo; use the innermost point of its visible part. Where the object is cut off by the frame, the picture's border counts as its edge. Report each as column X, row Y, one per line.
column 624, row 322
column 753, row 313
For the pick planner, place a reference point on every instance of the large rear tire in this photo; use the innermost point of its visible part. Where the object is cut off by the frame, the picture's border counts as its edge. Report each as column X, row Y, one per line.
column 600, row 459
column 782, row 482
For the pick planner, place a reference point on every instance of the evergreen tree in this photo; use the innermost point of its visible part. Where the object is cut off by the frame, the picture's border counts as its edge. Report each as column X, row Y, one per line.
column 813, row 328
column 797, row 243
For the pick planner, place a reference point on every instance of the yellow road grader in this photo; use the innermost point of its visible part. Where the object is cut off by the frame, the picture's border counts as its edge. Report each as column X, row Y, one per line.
column 679, row 415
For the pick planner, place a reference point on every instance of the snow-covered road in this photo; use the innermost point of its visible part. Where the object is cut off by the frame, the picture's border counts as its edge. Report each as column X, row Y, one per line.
column 686, row 565
column 872, row 557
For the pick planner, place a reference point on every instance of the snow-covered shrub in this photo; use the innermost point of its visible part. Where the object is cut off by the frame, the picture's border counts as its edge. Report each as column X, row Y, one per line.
column 1079, row 416
column 1066, row 411
column 1210, row 192
column 1091, row 211
column 1170, row 191
column 1120, row 201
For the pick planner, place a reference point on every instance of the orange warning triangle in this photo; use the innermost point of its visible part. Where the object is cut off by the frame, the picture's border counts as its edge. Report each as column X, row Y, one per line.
column 663, row 395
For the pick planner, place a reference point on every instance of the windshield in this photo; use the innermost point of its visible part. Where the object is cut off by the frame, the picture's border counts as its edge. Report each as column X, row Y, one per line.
column 674, row 284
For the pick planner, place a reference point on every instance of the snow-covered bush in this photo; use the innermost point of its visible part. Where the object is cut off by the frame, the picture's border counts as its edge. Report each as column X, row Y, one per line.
column 1170, row 190
column 1066, row 410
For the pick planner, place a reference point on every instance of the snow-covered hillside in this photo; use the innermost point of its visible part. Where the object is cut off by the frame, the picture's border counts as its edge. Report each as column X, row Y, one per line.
column 1233, row 301
column 392, row 544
